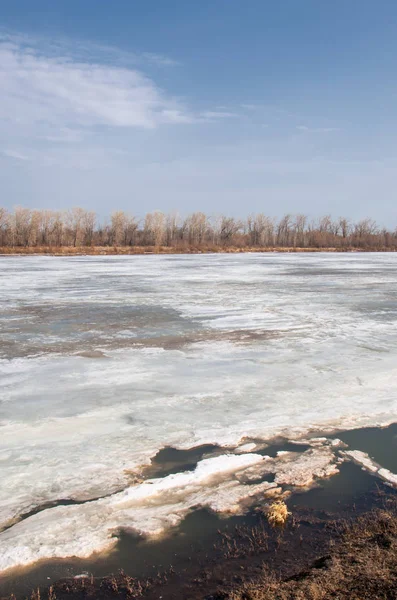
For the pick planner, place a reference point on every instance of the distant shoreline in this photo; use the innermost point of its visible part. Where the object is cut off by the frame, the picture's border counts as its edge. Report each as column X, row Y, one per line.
column 149, row 250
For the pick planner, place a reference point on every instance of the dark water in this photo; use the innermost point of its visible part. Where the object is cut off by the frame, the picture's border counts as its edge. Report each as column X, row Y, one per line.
column 380, row 444
column 195, row 536
column 172, row 460
column 341, row 490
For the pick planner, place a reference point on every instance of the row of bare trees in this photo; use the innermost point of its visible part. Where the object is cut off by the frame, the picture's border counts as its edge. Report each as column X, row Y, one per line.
column 77, row 227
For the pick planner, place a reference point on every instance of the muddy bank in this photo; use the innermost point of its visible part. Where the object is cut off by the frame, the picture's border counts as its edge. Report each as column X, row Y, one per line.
column 362, row 563
column 208, row 557
column 349, row 553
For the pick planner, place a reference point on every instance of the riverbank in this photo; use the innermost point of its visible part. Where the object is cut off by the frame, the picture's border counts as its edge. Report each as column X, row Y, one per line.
column 360, row 564
column 349, row 552
column 139, row 250
column 242, row 556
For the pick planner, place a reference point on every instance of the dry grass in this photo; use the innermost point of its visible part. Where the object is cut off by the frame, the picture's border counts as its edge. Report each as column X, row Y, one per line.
column 362, row 566
column 120, row 250
column 277, row 514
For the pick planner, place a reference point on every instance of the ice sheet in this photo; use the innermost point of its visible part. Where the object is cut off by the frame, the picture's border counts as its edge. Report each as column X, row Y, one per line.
column 221, row 484
column 73, row 424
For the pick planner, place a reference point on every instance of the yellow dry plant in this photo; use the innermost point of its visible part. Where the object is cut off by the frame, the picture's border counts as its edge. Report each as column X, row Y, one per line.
column 277, row 514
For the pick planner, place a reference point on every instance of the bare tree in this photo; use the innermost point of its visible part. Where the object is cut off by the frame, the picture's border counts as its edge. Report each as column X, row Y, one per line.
column 57, row 229
column 117, row 227
column 46, row 224
column 260, row 230
column 123, row 229
column 130, row 231
column 228, row 228
column 154, row 229
column 284, row 231
column 74, row 220
column 344, row 227
column 22, row 225
column 195, row 228
column 34, row 229
column 299, row 227
column 4, row 226
column 364, row 233
column 171, row 228
column 88, row 226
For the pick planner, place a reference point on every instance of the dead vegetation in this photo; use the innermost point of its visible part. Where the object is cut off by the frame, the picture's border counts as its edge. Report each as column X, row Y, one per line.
column 362, row 566
column 185, row 249
column 277, row 514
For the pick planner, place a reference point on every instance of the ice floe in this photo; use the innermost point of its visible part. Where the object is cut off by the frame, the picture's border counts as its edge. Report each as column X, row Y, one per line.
column 367, row 463
column 148, row 508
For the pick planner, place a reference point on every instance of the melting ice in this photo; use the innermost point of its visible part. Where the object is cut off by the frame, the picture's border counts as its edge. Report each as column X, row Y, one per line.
column 106, row 360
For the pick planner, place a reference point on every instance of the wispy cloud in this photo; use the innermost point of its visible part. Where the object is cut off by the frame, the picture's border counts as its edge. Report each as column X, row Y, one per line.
column 217, row 114
column 317, row 129
column 83, row 51
column 159, row 59
column 58, row 93
column 65, row 92
column 251, row 106
column 64, row 135
column 14, row 154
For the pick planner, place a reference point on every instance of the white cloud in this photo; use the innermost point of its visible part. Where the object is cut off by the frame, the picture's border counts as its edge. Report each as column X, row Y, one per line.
column 58, row 93
column 86, row 126
column 14, row 154
column 84, row 106
column 58, row 90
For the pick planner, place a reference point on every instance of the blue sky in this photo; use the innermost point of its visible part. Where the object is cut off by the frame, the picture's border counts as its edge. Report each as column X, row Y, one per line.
column 221, row 106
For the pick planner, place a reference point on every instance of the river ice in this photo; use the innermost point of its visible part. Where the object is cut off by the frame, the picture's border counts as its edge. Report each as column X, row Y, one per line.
column 106, row 360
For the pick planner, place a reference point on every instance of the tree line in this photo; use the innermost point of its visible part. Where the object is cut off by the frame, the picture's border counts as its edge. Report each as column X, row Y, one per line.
column 27, row 228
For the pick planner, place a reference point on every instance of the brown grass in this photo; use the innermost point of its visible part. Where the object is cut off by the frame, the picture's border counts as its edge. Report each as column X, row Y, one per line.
column 362, row 566
column 132, row 250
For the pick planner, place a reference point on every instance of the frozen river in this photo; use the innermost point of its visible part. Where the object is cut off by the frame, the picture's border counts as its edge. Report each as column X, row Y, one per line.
column 104, row 361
